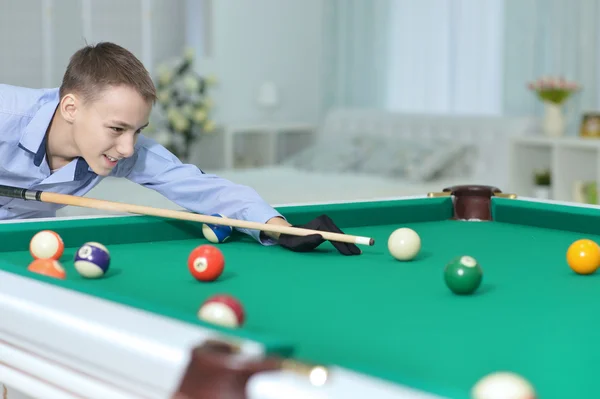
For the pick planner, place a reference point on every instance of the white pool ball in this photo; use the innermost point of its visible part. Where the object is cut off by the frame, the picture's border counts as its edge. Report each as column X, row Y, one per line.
column 404, row 244
column 503, row 385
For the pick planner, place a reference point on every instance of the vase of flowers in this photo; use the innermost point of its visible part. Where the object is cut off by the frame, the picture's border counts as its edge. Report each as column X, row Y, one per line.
column 554, row 92
column 181, row 116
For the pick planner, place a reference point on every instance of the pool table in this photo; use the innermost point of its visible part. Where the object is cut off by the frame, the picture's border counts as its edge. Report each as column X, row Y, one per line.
column 319, row 324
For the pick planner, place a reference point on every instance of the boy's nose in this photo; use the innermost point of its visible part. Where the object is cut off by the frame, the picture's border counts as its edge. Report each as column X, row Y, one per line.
column 125, row 147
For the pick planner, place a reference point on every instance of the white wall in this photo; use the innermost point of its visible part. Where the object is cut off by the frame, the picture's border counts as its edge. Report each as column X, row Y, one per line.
column 252, row 42
column 258, row 41
column 39, row 36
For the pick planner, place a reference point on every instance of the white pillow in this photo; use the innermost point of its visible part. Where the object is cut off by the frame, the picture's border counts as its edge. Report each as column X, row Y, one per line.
column 329, row 156
column 414, row 159
column 446, row 158
column 390, row 157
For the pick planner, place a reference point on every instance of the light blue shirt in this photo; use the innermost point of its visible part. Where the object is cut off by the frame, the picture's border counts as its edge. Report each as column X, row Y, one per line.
column 25, row 115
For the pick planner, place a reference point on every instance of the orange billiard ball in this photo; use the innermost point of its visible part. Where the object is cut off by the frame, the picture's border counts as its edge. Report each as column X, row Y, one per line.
column 48, row 267
column 46, row 244
column 206, row 263
column 583, row 256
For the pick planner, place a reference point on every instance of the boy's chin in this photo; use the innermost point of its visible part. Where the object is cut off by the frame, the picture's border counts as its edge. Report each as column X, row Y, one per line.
column 102, row 172
column 98, row 168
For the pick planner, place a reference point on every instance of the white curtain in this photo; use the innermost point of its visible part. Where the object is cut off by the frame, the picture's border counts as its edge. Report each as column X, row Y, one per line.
column 552, row 38
column 446, row 57
column 355, row 48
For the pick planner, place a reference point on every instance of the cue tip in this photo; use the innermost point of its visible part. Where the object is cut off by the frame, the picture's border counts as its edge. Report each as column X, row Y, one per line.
column 364, row 241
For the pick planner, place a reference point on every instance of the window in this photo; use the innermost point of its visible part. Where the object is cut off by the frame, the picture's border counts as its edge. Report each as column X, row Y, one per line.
column 445, row 57
column 199, row 26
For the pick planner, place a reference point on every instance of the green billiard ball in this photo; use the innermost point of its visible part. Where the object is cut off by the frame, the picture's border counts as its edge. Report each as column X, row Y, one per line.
column 463, row 275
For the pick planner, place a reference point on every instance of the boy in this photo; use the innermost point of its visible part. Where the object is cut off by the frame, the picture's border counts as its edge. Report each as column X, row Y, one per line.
column 68, row 139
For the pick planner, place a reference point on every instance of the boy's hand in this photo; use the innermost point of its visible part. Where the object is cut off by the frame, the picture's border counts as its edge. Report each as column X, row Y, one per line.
column 310, row 242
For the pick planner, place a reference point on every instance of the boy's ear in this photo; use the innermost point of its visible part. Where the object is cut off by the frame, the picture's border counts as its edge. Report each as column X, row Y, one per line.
column 68, row 107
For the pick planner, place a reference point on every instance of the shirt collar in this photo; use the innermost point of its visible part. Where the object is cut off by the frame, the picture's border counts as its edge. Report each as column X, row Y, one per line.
column 34, row 136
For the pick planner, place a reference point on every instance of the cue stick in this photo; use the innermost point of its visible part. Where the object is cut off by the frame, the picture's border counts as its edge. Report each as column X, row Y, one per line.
column 66, row 199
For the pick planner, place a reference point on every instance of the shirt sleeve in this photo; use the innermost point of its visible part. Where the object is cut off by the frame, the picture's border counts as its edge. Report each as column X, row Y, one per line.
column 154, row 167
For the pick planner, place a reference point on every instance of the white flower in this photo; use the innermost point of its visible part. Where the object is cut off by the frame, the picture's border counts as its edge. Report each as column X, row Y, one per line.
column 163, row 69
column 164, row 96
column 211, row 79
column 199, row 115
column 187, row 110
column 172, row 113
column 165, row 76
column 181, row 124
column 177, row 119
column 209, row 126
column 191, row 83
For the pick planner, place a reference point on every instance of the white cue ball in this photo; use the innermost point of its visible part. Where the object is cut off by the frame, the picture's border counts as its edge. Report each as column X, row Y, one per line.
column 503, row 385
column 404, row 244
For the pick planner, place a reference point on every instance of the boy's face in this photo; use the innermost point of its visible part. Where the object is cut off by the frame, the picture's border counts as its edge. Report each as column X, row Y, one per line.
column 105, row 130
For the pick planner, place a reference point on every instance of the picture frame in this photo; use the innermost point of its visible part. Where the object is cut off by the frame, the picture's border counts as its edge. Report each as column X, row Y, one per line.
column 590, row 125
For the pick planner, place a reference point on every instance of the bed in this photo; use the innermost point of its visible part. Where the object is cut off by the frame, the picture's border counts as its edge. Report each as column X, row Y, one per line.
column 362, row 154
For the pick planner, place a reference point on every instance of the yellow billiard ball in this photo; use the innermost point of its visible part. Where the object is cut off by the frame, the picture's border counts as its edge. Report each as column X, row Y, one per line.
column 583, row 256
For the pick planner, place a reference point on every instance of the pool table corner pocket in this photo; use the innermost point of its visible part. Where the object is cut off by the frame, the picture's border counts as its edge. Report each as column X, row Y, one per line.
column 472, row 202
column 218, row 370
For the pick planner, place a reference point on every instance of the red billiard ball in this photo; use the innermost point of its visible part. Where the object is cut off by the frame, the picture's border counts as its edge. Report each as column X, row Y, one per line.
column 206, row 263
column 223, row 310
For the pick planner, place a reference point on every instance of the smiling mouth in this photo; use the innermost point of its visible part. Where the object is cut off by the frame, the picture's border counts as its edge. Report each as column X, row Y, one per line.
column 111, row 159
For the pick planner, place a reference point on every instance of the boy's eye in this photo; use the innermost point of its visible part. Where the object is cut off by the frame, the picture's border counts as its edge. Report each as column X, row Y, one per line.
column 117, row 129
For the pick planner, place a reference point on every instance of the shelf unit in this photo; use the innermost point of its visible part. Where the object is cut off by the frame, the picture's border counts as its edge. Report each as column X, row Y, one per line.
column 251, row 146
column 248, row 146
column 570, row 160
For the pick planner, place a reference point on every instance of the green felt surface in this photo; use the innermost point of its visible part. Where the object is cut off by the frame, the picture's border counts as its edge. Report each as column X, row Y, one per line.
column 395, row 320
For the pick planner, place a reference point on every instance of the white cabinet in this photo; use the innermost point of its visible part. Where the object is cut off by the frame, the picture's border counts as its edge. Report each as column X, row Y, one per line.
column 251, row 146
column 263, row 145
column 570, row 161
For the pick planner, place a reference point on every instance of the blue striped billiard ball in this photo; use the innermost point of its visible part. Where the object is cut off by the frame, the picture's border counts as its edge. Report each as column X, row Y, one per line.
column 216, row 233
column 92, row 260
